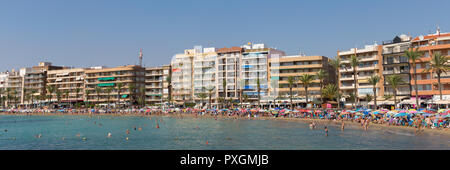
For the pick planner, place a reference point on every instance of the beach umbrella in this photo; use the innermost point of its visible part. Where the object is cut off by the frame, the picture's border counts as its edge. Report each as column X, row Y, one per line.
column 400, row 114
column 441, row 110
column 403, row 111
column 412, row 111
column 318, row 111
column 426, row 114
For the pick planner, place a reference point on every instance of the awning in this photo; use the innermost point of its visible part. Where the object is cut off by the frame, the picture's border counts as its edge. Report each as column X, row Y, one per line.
column 409, row 101
column 125, row 96
column 106, row 84
column 58, row 79
column 363, row 81
column 106, row 78
column 62, row 74
column 438, row 102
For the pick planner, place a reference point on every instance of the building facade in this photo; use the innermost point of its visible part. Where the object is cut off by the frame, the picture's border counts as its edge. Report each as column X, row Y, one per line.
column 69, row 82
column 396, row 63
column 427, row 80
column 107, row 80
column 283, row 67
column 254, row 68
column 370, row 63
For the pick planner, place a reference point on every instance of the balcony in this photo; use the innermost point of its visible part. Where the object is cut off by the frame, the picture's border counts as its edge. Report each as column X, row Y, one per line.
column 343, row 87
column 347, row 78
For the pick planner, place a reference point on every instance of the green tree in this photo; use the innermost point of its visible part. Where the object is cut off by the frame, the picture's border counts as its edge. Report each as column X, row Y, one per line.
column 119, row 90
column 394, row 81
column 50, row 91
column 336, row 64
column 33, row 91
column 369, row 97
column 354, row 62
column 98, row 90
column 373, row 80
column 87, row 93
column 169, row 81
column 224, row 86
column 291, row 81
column 131, row 89
column 321, row 75
column 108, row 91
column 330, row 91
column 202, row 96
column 414, row 56
column 210, row 92
column 258, row 89
column 439, row 65
column 58, row 96
column 306, row 80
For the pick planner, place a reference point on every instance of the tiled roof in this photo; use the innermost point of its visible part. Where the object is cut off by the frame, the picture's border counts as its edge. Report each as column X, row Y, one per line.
column 427, row 37
column 229, row 50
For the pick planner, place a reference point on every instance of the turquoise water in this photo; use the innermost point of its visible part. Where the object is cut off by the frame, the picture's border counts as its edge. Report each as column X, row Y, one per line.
column 176, row 133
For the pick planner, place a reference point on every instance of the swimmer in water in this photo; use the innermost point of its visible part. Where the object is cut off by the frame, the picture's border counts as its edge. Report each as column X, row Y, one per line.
column 311, row 125
column 109, row 134
column 128, row 131
column 6, row 130
column 342, row 126
column 78, row 134
column 326, row 131
column 39, row 135
column 140, row 128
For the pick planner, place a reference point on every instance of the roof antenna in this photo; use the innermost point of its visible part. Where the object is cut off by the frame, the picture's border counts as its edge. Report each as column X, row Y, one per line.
column 140, row 57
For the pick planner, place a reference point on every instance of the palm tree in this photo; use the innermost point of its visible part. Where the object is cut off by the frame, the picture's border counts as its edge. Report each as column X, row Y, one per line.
column 439, row 65
column 66, row 92
column 210, row 90
column 241, row 90
column 369, row 97
column 87, row 93
column 8, row 95
column 33, row 91
column 330, row 91
column 258, row 87
column 108, row 93
column 131, row 88
column 50, row 90
column 98, row 90
column 169, row 81
column 224, row 85
column 1, row 96
column 58, row 96
column 202, row 96
column 321, row 75
column 394, row 81
column 373, row 80
column 413, row 56
column 354, row 62
column 77, row 91
column 142, row 95
column 119, row 89
column 336, row 64
column 291, row 81
column 274, row 85
column 306, row 79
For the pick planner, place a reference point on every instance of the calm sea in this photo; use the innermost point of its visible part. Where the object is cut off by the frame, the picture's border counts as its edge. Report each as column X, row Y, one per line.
column 176, row 133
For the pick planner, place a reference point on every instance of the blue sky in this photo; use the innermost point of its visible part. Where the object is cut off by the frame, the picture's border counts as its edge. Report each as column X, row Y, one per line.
column 83, row 33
